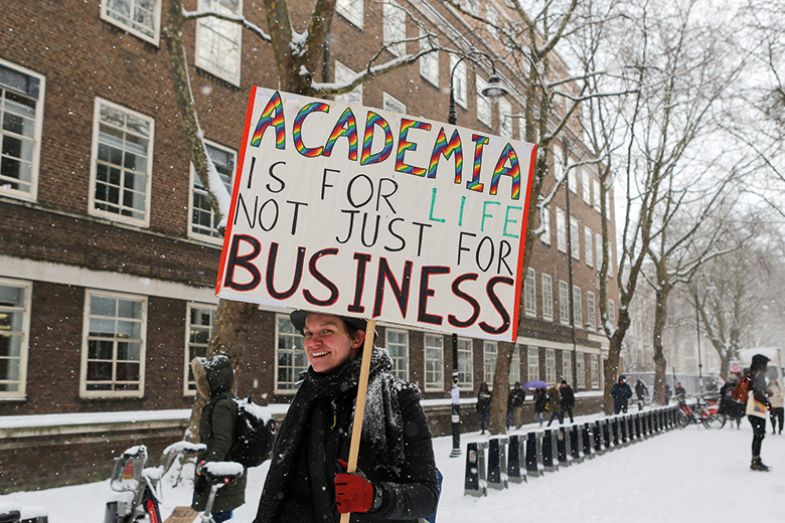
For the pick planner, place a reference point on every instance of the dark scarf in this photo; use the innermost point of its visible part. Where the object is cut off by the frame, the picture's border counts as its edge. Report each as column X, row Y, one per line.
column 382, row 436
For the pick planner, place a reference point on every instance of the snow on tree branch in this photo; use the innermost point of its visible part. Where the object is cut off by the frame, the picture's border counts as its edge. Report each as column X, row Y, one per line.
column 229, row 17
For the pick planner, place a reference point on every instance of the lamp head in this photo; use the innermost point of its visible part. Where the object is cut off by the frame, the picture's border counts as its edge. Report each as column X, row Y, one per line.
column 495, row 89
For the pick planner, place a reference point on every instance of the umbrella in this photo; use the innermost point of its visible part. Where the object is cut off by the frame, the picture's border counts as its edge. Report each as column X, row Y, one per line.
column 536, row 384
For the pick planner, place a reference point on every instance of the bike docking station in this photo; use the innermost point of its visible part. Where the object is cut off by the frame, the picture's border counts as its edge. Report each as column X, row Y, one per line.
column 529, row 454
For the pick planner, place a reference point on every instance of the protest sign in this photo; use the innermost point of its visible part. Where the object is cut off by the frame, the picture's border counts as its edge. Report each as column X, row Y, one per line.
column 361, row 212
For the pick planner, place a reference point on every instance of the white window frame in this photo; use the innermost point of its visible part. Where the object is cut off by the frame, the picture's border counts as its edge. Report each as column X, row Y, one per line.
column 577, row 305
column 341, row 74
column 598, row 249
column 530, row 293
column 561, row 230
column 222, row 28
column 394, row 27
column 32, row 195
column 566, row 366
column 154, row 39
column 352, row 11
column 404, row 372
column 83, row 392
column 596, row 186
column 564, row 304
column 532, row 363
column 594, row 362
column 277, row 384
column 580, row 368
column 550, row 366
column 392, row 104
column 572, row 179
column 586, row 178
column 505, row 118
column 187, row 391
column 515, row 365
column 468, row 358
column 460, row 83
column 575, row 238
column 545, row 217
column 591, row 311
column 429, row 63
column 24, row 337
column 490, row 354
column 484, row 106
column 612, row 313
column 588, row 237
column 558, row 167
column 433, row 348
column 116, row 217
column 547, row 296
column 217, row 239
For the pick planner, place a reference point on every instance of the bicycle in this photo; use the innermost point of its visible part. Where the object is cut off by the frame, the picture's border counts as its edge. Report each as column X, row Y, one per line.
column 706, row 412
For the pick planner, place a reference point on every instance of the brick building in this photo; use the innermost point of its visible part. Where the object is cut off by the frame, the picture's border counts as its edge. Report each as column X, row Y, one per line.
column 108, row 247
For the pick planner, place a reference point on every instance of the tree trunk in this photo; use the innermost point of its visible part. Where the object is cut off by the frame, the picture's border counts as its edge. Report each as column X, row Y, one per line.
column 614, row 354
column 501, row 388
column 660, row 319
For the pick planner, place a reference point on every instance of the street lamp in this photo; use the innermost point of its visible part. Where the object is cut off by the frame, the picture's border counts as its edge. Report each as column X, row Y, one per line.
column 494, row 90
column 698, row 330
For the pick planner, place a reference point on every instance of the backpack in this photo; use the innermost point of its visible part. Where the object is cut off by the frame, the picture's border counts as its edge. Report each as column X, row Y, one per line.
column 253, row 435
column 740, row 391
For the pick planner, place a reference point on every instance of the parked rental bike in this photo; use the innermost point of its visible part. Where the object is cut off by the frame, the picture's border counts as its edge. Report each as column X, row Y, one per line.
column 705, row 412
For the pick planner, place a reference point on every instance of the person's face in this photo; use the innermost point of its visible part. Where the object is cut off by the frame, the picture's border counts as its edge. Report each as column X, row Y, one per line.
column 327, row 342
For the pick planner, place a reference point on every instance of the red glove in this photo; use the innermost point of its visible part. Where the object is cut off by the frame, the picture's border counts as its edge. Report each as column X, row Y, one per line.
column 353, row 493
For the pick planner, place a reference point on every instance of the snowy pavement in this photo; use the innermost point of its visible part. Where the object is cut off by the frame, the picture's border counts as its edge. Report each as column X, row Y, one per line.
column 694, row 475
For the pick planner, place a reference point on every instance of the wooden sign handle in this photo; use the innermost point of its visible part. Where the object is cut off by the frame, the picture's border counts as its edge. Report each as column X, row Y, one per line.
column 359, row 408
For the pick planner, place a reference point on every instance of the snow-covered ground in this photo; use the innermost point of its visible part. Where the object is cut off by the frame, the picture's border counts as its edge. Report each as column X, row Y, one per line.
column 694, row 475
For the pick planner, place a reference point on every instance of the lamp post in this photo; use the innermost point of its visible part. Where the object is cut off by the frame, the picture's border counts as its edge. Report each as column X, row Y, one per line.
column 698, row 331
column 493, row 90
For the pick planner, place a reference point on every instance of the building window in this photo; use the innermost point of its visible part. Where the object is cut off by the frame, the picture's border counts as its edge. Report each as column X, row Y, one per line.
column 122, row 161
column 392, row 104
column 545, row 216
column 561, row 231
column 547, row 296
column 352, row 10
column 397, row 343
column 483, row 103
column 591, row 315
column 550, row 365
column 595, row 371
column 577, row 305
column 515, row 365
column 14, row 338
column 612, row 313
column 434, row 362
column 580, row 369
column 139, row 17
column 572, row 180
column 532, row 364
column 114, row 345
column 586, row 178
column 21, row 116
column 588, row 246
column 458, row 80
column 530, row 293
column 489, row 352
column 492, row 19
column 429, row 63
column 290, row 358
column 344, row 75
column 394, row 27
column 566, row 366
column 465, row 364
column 575, row 239
column 558, row 165
column 505, row 118
column 598, row 248
column 596, row 186
column 219, row 42
column 204, row 221
column 201, row 319
column 564, row 305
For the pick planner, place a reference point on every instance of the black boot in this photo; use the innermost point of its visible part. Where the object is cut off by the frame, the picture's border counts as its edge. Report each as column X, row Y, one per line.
column 758, row 465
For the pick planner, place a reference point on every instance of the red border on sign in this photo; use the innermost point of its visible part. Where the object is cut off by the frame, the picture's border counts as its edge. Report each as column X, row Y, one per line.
column 522, row 246
column 235, row 189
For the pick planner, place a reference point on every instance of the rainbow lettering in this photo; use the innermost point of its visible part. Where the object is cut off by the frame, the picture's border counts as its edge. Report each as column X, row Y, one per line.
column 345, row 126
column 272, row 115
column 307, row 109
column 443, row 148
column 405, row 145
column 479, row 142
column 366, row 157
column 514, row 170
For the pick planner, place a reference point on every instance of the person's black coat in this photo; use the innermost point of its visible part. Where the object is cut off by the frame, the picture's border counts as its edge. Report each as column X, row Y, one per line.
column 516, row 398
column 640, row 390
column 540, row 400
column 567, row 398
column 621, row 393
column 484, row 402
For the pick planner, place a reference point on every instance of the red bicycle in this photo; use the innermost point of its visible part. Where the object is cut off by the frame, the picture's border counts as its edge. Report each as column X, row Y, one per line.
column 705, row 412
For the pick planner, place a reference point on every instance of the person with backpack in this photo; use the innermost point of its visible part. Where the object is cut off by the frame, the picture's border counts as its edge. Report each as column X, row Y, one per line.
column 640, row 392
column 540, row 404
column 484, row 406
column 777, row 399
column 554, row 405
column 567, row 399
column 515, row 401
column 729, row 405
column 621, row 393
column 396, row 479
column 757, row 407
column 214, row 378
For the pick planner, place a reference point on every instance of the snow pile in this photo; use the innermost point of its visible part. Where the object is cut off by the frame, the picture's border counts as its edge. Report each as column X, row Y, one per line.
column 223, row 468
column 181, row 447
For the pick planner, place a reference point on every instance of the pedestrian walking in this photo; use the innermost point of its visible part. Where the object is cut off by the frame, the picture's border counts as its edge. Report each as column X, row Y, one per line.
column 757, row 405
column 641, row 391
column 729, row 405
column 396, row 477
column 484, row 406
column 540, row 404
column 777, row 399
column 554, row 405
column 679, row 391
column 515, row 400
column 567, row 399
column 214, row 379
column 621, row 393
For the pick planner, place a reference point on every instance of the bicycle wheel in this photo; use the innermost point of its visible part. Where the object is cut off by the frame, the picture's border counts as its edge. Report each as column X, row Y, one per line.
column 714, row 421
column 682, row 420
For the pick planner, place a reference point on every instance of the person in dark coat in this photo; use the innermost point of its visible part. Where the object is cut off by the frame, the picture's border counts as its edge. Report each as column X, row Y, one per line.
column 729, row 406
column 484, row 406
column 515, row 401
column 757, row 407
column 621, row 393
column 640, row 391
column 567, row 399
column 214, row 378
column 396, row 479
column 679, row 390
column 554, row 405
column 540, row 403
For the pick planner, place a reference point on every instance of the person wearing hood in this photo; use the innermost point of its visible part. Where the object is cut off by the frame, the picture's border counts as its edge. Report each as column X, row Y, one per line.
column 757, row 406
column 621, row 393
column 396, row 480
column 214, row 379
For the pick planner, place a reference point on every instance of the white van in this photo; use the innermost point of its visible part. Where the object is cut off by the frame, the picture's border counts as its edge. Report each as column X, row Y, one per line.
column 774, row 354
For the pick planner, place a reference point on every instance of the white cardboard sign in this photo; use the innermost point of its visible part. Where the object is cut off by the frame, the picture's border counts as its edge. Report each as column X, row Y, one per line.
column 356, row 211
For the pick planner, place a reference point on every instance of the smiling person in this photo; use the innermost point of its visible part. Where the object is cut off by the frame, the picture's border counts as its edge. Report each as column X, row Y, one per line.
column 396, row 480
